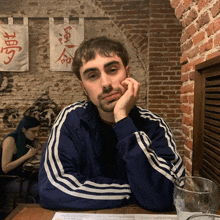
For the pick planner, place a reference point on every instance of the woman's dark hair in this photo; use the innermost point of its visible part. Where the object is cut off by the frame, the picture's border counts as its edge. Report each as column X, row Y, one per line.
column 20, row 139
column 29, row 122
column 101, row 45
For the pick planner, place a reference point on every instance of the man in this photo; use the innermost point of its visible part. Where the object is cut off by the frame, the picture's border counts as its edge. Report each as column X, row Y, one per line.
column 107, row 152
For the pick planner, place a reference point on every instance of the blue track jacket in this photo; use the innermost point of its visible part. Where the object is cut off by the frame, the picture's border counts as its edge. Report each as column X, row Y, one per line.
column 148, row 163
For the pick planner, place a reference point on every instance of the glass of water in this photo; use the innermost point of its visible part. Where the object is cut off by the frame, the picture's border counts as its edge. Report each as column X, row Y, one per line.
column 195, row 195
column 204, row 217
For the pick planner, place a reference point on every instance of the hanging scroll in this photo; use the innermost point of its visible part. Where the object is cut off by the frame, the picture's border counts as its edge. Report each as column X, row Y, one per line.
column 64, row 40
column 14, row 46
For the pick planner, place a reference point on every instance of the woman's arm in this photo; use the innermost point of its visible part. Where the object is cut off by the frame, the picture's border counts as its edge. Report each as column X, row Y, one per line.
column 8, row 149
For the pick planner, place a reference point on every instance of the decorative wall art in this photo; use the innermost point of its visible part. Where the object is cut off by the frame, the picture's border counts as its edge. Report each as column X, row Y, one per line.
column 64, row 40
column 14, row 45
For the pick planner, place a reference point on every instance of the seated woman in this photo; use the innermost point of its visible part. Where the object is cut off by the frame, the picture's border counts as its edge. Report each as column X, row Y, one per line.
column 17, row 148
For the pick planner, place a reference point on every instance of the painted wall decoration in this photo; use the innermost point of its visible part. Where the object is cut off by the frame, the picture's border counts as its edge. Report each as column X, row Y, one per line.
column 6, row 82
column 10, row 117
column 64, row 40
column 45, row 110
column 14, row 46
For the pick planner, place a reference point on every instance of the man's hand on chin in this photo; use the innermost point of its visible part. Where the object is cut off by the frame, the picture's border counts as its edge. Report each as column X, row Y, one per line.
column 128, row 99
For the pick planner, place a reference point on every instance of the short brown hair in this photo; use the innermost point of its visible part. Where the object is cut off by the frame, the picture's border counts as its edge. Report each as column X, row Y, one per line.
column 101, row 45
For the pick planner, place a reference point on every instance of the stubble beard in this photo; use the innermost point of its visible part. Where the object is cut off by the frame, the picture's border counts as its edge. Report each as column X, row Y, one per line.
column 108, row 106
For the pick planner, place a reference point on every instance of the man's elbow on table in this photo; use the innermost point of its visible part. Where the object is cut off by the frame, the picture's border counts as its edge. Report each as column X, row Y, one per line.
column 51, row 199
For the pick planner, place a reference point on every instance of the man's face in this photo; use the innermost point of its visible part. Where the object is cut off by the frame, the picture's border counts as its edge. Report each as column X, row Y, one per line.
column 101, row 81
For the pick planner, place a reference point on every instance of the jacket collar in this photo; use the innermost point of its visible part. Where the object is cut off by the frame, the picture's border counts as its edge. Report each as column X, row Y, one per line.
column 91, row 115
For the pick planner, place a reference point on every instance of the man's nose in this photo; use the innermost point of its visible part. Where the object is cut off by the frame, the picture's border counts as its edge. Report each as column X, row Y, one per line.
column 105, row 80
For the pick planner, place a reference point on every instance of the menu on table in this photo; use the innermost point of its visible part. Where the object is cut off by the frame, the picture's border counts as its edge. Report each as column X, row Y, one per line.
column 85, row 216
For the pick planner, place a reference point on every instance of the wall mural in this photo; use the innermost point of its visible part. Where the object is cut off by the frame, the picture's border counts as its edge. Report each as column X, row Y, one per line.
column 10, row 117
column 45, row 110
column 6, row 82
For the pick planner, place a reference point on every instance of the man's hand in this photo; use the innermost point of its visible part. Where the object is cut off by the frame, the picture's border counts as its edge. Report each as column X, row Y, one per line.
column 128, row 99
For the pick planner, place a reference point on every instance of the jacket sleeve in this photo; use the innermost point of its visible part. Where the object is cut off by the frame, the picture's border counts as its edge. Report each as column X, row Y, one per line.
column 62, row 186
column 151, row 160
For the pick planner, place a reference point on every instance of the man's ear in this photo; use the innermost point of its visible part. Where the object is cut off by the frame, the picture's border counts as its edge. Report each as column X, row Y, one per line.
column 127, row 68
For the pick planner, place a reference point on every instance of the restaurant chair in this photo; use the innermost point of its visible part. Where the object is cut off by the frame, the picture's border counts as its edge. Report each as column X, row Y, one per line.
column 4, row 180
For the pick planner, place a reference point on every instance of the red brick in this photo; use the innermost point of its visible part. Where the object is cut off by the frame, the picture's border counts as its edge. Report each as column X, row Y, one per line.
column 187, row 88
column 199, row 37
column 188, row 165
column 187, row 3
column 203, row 19
column 184, row 78
column 202, row 4
column 217, row 40
column 187, row 120
column 206, row 46
column 197, row 61
column 191, row 100
column 184, row 58
column 188, row 153
column 175, row 3
column 193, row 52
column 189, row 144
column 192, row 15
column 186, row 46
column 179, row 10
column 213, row 27
column 187, row 67
column 184, row 98
column 186, row 131
column 184, row 37
column 210, row 29
column 192, row 75
column 215, row 9
column 191, row 30
column 212, row 55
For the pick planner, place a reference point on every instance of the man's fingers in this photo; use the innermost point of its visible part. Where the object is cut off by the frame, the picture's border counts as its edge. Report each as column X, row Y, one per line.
column 133, row 85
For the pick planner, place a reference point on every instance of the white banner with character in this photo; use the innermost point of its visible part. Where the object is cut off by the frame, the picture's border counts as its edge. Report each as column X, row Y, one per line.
column 64, row 40
column 14, row 46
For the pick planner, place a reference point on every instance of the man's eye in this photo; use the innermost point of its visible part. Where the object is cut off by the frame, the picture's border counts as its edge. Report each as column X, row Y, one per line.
column 113, row 70
column 92, row 76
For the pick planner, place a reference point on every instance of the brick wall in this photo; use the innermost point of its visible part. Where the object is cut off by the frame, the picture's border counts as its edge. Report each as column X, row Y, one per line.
column 200, row 41
column 164, row 67
column 150, row 31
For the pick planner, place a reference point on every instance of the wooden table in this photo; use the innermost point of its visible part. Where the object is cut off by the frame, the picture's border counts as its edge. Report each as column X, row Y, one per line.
column 36, row 212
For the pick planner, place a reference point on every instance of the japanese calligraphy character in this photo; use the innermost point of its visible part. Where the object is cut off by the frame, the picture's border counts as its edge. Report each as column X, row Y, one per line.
column 11, row 46
column 65, row 57
column 67, row 35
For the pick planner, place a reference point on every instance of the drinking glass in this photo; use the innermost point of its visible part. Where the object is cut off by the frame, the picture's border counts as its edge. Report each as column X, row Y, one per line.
column 195, row 195
column 204, row 217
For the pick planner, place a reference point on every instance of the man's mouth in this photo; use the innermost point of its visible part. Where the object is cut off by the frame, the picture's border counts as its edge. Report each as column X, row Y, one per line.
column 110, row 96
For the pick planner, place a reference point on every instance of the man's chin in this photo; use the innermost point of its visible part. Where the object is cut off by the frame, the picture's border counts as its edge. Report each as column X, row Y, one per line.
column 108, row 107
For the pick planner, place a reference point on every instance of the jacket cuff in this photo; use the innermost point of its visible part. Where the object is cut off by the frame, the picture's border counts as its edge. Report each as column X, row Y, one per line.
column 124, row 128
